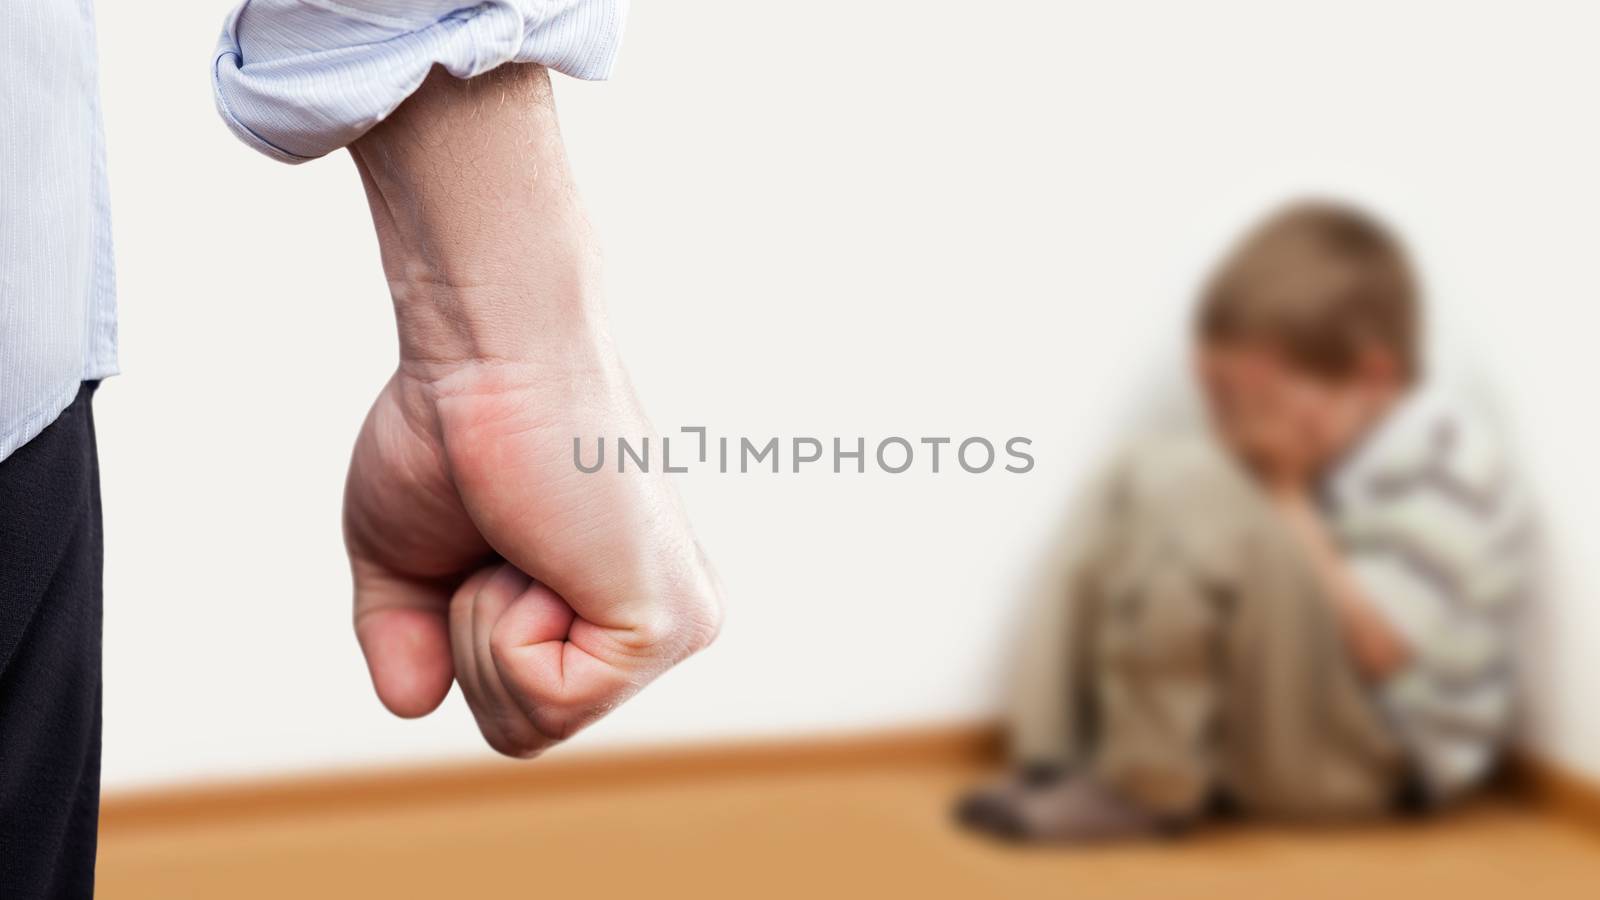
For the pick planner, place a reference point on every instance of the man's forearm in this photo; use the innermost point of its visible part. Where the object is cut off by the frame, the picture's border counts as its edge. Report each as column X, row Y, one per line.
column 485, row 247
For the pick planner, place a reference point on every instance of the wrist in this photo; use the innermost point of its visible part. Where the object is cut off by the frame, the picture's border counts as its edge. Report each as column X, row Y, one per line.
column 1284, row 481
column 517, row 319
column 1293, row 498
column 1289, row 490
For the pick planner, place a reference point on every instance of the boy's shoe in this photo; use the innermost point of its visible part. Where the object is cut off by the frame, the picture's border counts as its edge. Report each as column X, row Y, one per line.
column 989, row 808
column 1075, row 809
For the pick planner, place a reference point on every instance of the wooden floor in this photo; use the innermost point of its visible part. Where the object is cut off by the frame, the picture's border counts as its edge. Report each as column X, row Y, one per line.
column 869, row 830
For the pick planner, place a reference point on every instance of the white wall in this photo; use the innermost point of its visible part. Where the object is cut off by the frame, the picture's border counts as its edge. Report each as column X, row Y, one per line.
column 834, row 218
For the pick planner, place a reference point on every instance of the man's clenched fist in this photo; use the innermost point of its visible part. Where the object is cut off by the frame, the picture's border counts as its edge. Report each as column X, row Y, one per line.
column 480, row 552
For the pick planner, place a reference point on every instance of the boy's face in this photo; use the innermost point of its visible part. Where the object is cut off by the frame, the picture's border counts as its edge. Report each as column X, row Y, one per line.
column 1287, row 424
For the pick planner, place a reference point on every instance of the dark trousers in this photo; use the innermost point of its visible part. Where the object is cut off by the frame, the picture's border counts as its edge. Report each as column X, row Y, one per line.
column 50, row 613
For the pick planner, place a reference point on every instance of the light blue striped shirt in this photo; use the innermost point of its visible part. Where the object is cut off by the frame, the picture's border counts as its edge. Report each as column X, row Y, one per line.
column 296, row 79
column 58, row 318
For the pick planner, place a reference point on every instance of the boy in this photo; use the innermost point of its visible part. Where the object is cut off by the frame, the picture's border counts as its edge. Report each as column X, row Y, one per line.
column 1302, row 614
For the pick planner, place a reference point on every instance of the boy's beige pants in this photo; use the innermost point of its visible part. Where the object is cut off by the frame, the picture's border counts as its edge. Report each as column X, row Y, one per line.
column 1181, row 646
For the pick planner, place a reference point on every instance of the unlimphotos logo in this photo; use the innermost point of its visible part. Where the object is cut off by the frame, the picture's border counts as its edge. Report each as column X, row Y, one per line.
column 741, row 454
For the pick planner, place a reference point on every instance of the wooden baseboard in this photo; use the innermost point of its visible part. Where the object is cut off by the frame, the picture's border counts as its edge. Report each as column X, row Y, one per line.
column 307, row 796
column 1556, row 788
column 1545, row 784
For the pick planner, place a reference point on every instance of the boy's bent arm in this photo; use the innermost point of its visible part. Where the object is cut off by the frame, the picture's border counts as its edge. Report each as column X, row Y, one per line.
column 1377, row 647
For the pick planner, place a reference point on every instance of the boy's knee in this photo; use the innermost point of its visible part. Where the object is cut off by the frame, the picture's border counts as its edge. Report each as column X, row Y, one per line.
column 1181, row 472
column 1189, row 494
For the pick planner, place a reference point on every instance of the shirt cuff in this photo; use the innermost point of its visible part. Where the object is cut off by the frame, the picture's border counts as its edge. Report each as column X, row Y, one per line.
column 298, row 79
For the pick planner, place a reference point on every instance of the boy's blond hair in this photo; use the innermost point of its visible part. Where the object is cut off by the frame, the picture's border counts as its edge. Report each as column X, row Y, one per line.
column 1322, row 282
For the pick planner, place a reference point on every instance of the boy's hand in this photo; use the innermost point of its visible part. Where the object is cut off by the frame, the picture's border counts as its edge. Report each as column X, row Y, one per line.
column 1279, row 448
column 480, row 551
column 1286, row 425
column 1269, row 429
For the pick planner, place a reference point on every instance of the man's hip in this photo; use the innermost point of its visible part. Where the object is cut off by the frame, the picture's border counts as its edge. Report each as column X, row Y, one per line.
column 50, row 633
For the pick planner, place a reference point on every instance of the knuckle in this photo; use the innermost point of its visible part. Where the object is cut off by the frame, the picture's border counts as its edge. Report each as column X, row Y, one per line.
column 502, row 644
column 517, row 747
column 685, row 620
column 513, row 738
column 556, row 723
column 697, row 619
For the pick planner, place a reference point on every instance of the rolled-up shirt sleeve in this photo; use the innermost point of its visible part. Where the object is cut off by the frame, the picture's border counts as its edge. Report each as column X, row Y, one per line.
column 297, row 79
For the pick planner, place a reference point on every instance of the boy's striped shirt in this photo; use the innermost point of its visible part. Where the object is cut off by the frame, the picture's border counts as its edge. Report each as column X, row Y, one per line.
column 1438, row 531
